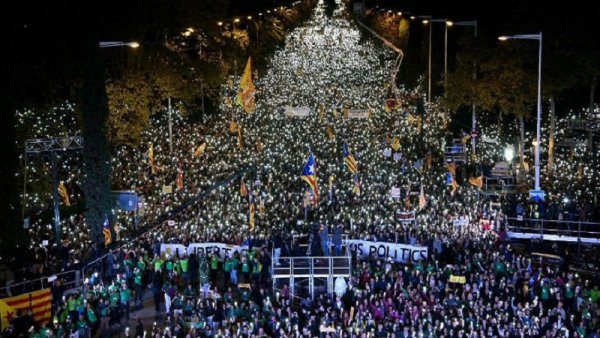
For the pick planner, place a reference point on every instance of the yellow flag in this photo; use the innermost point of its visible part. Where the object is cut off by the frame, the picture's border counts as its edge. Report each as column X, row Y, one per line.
column 245, row 97
column 233, row 127
column 346, row 112
column 240, row 140
column 330, row 133
column 396, row 143
column 64, row 194
column 200, row 150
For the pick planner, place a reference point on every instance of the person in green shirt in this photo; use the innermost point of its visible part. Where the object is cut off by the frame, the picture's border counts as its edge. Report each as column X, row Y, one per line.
column 92, row 318
column 233, row 275
column 72, row 307
column 245, row 270
column 214, row 268
column 227, row 269
column 139, row 287
column 82, row 327
column 185, row 268
column 125, row 300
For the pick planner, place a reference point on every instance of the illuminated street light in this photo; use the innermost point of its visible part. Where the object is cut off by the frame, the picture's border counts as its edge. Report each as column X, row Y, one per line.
column 539, row 98
column 109, row 44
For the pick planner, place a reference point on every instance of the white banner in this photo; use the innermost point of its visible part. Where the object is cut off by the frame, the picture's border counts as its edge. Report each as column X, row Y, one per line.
column 221, row 249
column 358, row 113
column 405, row 216
column 401, row 253
column 460, row 222
column 296, row 111
column 395, row 192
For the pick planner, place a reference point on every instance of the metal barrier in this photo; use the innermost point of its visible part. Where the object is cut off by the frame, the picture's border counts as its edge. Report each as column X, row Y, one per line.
column 307, row 269
column 68, row 280
column 554, row 230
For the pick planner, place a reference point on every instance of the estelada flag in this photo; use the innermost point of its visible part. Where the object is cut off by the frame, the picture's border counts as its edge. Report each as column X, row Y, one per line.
column 39, row 302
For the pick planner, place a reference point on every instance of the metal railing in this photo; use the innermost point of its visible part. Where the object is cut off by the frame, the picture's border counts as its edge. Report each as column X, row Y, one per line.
column 577, row 230
column 67, row 280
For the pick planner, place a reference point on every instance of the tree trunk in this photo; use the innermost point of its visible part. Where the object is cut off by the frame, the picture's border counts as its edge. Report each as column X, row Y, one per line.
column 96, row 155
column 551, row 137
column 592, row 90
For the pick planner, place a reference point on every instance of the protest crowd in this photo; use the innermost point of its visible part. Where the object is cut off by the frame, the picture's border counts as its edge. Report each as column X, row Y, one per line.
column 473, row 281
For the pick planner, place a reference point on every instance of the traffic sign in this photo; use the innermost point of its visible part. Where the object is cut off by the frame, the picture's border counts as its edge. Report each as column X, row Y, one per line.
column 537, row 195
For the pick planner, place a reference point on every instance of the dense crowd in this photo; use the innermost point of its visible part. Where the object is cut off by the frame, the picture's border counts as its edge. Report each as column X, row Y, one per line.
column 504, row 292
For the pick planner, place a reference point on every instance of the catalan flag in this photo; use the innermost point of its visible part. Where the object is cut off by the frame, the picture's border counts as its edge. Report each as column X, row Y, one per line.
column 200, row 150
column 106, row 231
column 309, row 176
column 476, row 181
column 39, row 302
column 252, row 211
column 396, row 143
column 151, row 158
column 64, row 194
column 350, row 160
column 356, row 187
column 245, row 97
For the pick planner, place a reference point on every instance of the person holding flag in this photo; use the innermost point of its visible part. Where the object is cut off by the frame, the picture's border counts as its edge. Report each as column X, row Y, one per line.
column 106, row 231
column 252, row 211
column 309, row 176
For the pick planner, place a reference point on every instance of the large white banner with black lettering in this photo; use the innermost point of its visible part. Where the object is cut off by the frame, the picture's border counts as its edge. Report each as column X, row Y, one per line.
column 221, row 249
column 401, row 253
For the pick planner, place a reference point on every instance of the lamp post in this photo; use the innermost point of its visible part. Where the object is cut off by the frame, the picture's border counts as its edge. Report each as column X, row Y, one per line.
column 429, row 20
column 539, row 98
column 472, row 23
column 426, row 20
column 109, row 44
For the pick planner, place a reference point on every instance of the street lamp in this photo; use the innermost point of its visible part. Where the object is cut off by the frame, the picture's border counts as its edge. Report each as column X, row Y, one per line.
column 539, row 98
column 426, row 20
column 109, row 44
column 472, row 23
column 429, row 20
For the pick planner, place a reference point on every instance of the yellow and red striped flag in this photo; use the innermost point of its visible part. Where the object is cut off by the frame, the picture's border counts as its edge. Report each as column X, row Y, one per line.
column 476, row 181
column 39, row 302
column 64, row 194
column 245, row 96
